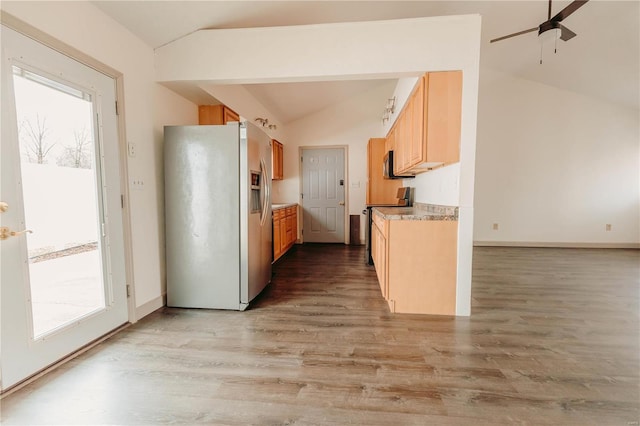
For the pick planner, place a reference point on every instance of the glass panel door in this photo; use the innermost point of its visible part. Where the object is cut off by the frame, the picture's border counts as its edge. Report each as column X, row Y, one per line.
column 62, row 264
column 59, row 182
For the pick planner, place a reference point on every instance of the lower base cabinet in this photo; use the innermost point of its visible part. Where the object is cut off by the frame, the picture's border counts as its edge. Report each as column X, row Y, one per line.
column 416, row 264
column 285, row 230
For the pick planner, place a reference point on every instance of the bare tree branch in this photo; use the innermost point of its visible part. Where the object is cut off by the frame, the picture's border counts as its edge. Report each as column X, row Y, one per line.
column 78, row 155
column 34, row 138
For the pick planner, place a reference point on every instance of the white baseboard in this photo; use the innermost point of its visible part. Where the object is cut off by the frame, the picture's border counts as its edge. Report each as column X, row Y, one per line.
column 555, row 244
column 150, row 306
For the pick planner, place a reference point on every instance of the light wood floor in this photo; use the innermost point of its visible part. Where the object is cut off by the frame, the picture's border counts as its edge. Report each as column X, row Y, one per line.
column 553, row 339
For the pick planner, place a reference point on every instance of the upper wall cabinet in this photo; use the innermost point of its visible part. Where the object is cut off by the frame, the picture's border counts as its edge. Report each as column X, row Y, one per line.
column 379, row 189
column 426, row 134
column 277, row 160
column 216, row 114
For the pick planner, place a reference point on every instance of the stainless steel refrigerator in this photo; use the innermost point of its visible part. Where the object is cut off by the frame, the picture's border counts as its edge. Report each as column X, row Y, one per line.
column 217, row 215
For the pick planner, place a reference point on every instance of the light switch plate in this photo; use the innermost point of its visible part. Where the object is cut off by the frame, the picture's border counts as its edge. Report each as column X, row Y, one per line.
column 137, row 184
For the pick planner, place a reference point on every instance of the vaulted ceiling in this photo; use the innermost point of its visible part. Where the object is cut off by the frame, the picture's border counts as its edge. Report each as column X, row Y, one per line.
column 602, row 61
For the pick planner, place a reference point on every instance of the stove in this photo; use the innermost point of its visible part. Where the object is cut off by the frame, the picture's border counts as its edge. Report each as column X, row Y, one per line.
column 405, row 197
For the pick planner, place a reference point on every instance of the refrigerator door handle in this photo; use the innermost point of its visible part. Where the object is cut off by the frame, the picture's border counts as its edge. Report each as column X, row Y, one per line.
column 266, row 200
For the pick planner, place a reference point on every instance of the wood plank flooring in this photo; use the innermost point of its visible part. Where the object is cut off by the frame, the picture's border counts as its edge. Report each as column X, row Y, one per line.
column 553, row 340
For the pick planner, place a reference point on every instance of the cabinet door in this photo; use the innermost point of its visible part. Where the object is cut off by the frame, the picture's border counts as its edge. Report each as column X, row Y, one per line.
column 407, row 131
column 295, row 225
column 398, row 157
column 417, row 139
column 390, row 142
column 283, row 234
column 443, row 116
column 280, row 161
column 277, row 153
column 216, row 114
column 277, row 249
column 289, row 220
column 379, row 189
column 229, row 115
column 210, row 114
column 374, row 246
column 378, row 253
column 382, row 255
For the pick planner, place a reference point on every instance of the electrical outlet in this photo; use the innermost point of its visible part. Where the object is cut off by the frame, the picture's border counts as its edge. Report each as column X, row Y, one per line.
column 131, row 148
column 607, row 227
column 495, row 227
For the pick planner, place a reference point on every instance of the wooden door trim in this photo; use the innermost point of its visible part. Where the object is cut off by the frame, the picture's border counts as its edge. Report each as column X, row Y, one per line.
column 345, row 149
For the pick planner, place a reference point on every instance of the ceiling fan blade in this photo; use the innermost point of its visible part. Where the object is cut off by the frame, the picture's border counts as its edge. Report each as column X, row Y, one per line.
column 514, row 34
column 568, row 10
column 566, row 33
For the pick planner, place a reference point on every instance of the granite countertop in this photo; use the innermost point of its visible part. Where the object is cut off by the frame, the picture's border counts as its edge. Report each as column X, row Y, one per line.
column 282, row 206
column 418, row 212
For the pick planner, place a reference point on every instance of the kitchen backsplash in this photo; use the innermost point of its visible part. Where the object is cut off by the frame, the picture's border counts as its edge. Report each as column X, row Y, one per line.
column 438, row 209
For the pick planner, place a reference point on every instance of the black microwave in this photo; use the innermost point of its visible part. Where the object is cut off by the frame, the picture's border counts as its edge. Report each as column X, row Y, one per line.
column 387, row 168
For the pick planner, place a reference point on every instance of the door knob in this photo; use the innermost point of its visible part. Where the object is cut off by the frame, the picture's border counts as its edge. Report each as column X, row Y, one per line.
column 5, row 232
column 341, row 203
column 3, row 207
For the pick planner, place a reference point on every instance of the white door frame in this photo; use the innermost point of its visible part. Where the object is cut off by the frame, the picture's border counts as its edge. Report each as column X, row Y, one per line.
column 345, row 149
column 23, row 28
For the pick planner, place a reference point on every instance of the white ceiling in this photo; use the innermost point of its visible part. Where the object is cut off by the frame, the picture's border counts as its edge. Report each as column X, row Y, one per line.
column 602, row 61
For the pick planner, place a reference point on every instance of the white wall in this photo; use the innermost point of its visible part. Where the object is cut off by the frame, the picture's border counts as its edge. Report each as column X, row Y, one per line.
column 554, row 166
column 351, row 123
column 82, row 26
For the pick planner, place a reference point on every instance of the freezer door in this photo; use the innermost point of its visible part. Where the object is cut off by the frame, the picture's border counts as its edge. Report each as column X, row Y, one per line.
column 256, row 223
column 202, row 217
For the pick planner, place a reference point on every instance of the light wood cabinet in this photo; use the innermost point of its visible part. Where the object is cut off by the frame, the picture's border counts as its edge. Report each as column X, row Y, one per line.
column 379, row 254
column 417, row 125
column 277, row 160
column 285, row 230
column 216, row 114
column 405, row 136
column 390, row 141
column 284, row 243
column 426, row 133
column 415, row 262
column 291, row 217
column 277, row 242
column 379, row 189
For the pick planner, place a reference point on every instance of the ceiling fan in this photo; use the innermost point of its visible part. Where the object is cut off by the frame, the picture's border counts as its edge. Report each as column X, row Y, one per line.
column 552, row 26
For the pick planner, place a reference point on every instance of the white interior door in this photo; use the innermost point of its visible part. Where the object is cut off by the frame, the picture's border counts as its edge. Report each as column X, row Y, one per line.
column 323, row 199
column 61, row 237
